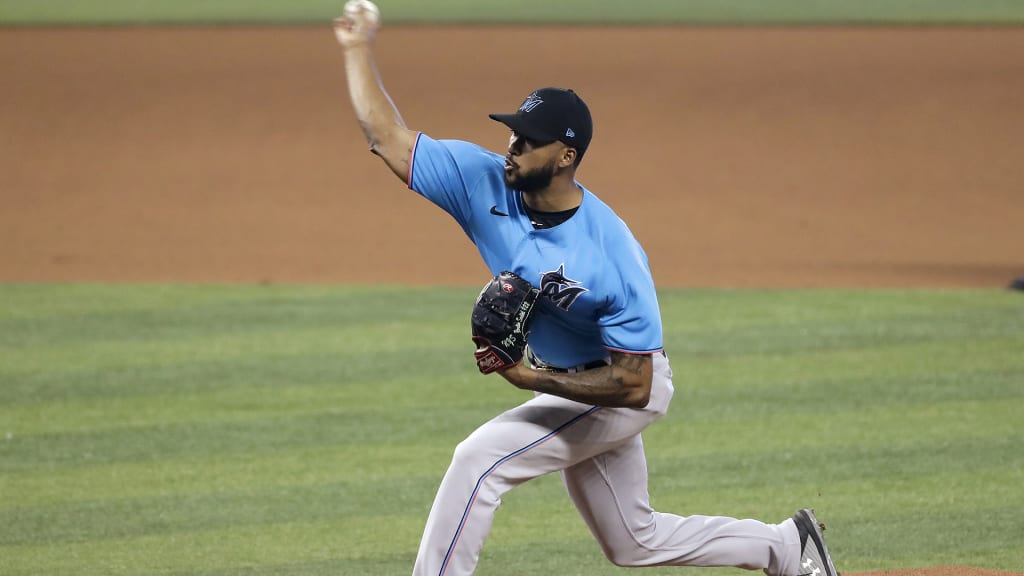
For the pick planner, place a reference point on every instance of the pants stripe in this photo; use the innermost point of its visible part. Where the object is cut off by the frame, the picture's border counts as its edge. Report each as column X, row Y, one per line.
column 476, row 489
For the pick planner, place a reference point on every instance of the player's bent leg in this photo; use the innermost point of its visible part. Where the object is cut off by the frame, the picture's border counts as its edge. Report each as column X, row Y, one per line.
column 632, row 534
column 610, row 491
column 543, row 435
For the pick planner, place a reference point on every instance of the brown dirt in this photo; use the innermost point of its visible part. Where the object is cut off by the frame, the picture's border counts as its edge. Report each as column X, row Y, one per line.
column 741, row 157
column 938, row 571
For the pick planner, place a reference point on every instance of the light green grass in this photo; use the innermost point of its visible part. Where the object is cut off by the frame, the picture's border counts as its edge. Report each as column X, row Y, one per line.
column 258, row 430
column 521, row 11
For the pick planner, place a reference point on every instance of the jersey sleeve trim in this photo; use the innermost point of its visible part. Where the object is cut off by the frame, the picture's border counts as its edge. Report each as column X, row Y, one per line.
column 412, row 156
column 637, row 352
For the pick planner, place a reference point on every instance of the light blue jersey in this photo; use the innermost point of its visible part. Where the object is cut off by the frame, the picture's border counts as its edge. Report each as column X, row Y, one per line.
column 597, row 293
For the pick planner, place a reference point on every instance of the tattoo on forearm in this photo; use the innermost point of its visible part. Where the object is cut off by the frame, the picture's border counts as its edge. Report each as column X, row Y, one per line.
column 609, row 386
column 633, row 363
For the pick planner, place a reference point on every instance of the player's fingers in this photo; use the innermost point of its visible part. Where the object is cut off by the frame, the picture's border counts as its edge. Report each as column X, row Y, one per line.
column 342, row 28
column 360, row 18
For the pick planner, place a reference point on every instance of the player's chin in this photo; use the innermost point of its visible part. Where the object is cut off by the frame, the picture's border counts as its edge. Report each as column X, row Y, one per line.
column 511, row 178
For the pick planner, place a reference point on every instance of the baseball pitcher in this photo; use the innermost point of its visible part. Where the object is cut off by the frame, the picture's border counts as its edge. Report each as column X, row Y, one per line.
column 571, row 313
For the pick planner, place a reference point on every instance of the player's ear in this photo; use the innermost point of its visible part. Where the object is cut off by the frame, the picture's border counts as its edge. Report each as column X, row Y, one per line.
column 568, row 157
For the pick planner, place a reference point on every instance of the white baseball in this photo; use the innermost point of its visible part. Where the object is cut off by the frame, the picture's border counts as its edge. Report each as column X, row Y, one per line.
column 369, row 9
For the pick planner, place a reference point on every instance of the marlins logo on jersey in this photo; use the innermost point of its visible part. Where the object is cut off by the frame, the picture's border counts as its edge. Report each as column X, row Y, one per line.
column 560, row 290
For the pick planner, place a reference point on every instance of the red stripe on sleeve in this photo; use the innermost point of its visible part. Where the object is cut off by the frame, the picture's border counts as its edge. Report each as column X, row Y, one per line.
column 412, row 154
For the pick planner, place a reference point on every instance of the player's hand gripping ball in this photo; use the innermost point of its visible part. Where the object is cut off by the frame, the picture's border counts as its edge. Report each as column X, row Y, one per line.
column 359, row 22
column 501, row 321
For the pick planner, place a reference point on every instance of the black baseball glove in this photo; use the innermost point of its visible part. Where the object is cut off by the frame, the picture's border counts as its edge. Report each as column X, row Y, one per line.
column 501, row 321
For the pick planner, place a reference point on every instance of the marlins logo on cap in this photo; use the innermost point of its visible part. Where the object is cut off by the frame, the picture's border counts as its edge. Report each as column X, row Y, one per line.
column 531, row 102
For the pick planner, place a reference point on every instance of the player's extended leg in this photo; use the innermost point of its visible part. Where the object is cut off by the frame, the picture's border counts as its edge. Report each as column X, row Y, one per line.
column 543, row 435
column 610, row 491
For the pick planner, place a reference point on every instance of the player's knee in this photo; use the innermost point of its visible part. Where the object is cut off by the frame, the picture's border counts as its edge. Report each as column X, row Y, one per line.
column 623, row 556
column 629, row 550
column 469, row 453
column 463, row 452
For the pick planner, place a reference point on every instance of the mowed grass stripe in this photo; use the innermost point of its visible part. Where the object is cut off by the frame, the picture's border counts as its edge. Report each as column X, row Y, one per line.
column 223, row 438
column 893, row 517
column 252, row 369
column 237, row 547
column 242, row 311
column 70, row 328
column 886, row 360
column 900, row 458
column 925, row 379
column 155, row 515
column 678, row 451
column 907, row 360
column 881, row 537
column 678, row 486
column 254, row 470
column 117, row 364
column 223, row 435
column 211, row 344
column 884, row 536
column 709, row 310
column 218, row 435
column 243, row 403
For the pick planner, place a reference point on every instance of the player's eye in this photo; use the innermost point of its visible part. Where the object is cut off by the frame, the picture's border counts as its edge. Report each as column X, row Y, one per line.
column 519, row 140
column 534, row 143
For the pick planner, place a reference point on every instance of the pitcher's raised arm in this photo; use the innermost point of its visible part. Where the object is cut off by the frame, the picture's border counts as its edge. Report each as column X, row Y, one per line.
column 378, row 117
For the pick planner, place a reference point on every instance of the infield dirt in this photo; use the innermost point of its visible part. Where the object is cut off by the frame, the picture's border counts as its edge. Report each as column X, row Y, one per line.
column 747, row 157
column 856, row 157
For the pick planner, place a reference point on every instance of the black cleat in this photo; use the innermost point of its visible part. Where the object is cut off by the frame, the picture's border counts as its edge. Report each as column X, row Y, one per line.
column 814, row 557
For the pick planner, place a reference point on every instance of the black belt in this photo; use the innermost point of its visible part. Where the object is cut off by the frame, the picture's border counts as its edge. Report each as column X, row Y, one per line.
column 580, row 368
column 542, row 365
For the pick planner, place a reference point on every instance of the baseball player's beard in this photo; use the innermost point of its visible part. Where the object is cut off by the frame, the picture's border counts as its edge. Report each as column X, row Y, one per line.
column 537, row 179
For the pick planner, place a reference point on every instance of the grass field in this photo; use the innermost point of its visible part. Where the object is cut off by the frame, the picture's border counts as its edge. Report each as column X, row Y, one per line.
column 521, row 11
column 216, row 430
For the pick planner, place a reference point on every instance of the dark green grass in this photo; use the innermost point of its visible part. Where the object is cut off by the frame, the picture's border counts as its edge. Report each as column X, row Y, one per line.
column 257, row 430
column 522, row 11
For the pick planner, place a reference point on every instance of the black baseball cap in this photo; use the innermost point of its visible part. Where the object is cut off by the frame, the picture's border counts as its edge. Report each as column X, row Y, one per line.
column 550, row 114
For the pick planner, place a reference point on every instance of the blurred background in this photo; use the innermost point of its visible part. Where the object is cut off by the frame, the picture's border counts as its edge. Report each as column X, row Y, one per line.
column 749, row 144
column 202, row 374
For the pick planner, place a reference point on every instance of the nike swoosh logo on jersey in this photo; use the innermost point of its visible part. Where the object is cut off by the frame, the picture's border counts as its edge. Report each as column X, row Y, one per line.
column 496, row 212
